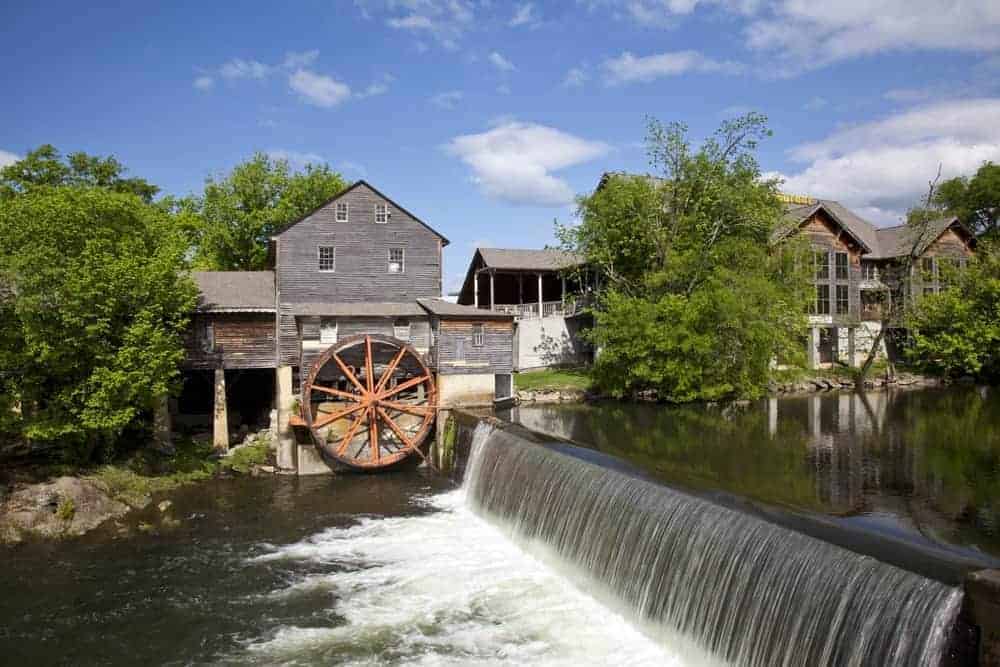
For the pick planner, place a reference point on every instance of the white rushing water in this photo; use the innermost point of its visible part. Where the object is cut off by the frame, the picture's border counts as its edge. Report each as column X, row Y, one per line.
column 447, row 587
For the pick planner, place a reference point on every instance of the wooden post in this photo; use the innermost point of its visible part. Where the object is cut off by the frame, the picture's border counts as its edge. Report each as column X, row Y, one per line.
column 286, row 458
column 562, row 298
column 492, row 299
column 162, row 426
column 812, row 356
column 539, row 295
column 520, row 289
column 220, row 432
column 851, row 345
column 475, row 287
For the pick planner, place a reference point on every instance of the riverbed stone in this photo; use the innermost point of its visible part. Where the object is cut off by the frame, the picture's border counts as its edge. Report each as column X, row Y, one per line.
column 66, row 506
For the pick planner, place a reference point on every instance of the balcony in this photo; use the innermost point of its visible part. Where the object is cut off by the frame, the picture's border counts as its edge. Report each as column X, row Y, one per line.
column 529, row 311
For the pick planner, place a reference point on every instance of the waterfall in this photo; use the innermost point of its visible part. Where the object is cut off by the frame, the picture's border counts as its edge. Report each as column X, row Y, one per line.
column 750, row 592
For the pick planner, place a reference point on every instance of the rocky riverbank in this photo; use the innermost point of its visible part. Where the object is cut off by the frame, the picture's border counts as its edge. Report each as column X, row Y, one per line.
column 819, row 384
column 38, row 505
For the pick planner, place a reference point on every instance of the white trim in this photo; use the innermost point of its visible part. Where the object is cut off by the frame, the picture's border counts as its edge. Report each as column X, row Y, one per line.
column 402, row 262
column 336, row 211
column 385, row 212
column 478, row 335
column 319, row 258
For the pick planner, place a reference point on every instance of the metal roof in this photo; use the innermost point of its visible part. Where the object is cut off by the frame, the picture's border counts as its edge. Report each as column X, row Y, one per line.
column 235, row 291
column 548, row 259
column 449, row 310
column 361, row 309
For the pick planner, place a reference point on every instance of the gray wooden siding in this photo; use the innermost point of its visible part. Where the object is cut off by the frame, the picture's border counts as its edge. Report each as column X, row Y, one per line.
column 362, row 256
column 242, row 340
column 354, row 326
column 456, row 354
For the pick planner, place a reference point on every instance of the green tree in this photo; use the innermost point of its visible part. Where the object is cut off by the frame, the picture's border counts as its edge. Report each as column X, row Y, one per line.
column 240, row 211
column 94, row 307
column 976, row 200
column 45, row 166
column 697, row 302
column 957, row 330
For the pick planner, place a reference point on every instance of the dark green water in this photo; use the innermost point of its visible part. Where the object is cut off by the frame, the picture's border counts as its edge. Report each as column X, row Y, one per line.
column 924, row 464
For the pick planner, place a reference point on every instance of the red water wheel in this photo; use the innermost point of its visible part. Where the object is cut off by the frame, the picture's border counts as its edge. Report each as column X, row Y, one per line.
column 369, row 401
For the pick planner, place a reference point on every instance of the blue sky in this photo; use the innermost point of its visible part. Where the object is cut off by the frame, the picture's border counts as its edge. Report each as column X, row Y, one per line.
column 485, row 118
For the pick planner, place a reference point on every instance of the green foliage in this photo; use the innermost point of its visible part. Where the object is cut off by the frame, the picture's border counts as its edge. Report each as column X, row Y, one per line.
column 698, row 303
column 975, row 200
column 134, row 481
column 554, row 379
column 46, row 167
column 66, row 509
column 957, row 331
column 231, row 222
column 244, row 458
column 94, row 308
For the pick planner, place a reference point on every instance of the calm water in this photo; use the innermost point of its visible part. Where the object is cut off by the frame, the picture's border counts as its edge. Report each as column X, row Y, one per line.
column 920, row 464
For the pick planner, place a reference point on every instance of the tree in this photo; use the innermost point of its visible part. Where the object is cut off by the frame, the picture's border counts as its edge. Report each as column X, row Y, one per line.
column 240, row 211
column 697, row 302
column 45, row 167
column 94, row 306
column 957, row 331
column 975, row 201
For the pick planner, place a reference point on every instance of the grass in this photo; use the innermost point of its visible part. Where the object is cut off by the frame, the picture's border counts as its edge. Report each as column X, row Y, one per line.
column 66, row 509
column 554, row 379
column 135, row 480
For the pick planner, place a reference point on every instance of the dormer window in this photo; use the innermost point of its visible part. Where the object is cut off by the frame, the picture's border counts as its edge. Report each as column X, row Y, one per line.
column 397, row 257
column 342, row 211
column 381, row 213
column 327, row 258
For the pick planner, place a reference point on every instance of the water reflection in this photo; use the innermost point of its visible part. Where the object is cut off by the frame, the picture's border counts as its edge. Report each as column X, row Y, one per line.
column 919, row 463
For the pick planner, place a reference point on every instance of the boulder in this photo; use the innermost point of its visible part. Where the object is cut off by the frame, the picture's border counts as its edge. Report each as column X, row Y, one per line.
column 66, row 506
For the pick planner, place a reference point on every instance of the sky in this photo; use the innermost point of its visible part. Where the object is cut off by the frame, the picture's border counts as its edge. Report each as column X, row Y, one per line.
column 487, row 118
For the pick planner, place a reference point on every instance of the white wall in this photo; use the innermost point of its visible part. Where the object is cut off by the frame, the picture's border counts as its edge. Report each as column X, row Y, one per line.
column 549, row 341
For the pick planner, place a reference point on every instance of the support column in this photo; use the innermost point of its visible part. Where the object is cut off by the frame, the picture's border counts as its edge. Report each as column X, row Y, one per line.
column 812, row 348
column 220, row 432
column 539, row 295
column 493, row 301
column 562, row 297
column 285, row 400
column 475, row 288
column 852, row 360
column 520, row 289
column 162, row 426
column 772, row 416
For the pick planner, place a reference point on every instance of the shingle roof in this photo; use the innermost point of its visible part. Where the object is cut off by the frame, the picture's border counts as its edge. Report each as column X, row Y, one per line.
column 362, row 309
column 235, row 291
column 449, row 310
column 898, row 241
column 549, row 259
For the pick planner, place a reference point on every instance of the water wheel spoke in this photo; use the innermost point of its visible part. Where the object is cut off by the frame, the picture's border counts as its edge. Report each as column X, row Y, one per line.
column 403, row 437
column 403, row 386
column 334, row 416
column 351, row 432
column 369, row 370
column 373, row 435
column 346, row 370
column 338, row 393
column 419, row 410
column 390, row 370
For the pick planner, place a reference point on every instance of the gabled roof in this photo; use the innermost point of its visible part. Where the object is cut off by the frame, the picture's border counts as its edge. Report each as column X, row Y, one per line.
column 862, row 231
column 453, row 311
column 548, row 259
column 371, row 187
column 898, row 241
column 235, row 291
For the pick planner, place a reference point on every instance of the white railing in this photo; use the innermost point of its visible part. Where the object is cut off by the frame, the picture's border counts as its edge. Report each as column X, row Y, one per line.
column 529, row 311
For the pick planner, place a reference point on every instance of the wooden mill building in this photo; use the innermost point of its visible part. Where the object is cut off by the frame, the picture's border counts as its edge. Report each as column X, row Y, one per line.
column 346, row 338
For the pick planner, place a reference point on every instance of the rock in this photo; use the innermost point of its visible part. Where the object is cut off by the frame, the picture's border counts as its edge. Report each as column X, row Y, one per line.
column 67, row 506
column 267, row 469
column 164, row 505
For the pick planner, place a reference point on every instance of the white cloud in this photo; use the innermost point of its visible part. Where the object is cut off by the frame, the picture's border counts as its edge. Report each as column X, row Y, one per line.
column 524, row 15
column 237, row 68
column 7, row 158
column 379, row 87
column 318, row 89
column 446, row 21
column 514, row 161
column 815, row 103
column 628, row 68
column 448, row 99
column 204, row 83
column 501, row 63
column 297, row 59
column 296, row 159
column 575, row 77
column 503, row 89
column 883, row 167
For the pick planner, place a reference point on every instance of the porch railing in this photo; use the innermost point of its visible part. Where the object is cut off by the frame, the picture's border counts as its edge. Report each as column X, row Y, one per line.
column 528, row 311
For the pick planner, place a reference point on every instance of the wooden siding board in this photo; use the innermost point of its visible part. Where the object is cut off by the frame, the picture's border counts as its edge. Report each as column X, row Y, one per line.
column 241, row 341
column 496, row 355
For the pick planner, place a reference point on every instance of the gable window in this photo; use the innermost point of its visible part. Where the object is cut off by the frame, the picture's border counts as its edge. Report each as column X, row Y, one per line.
column 396, row 260
column 206, row 337
column 822, row 299
column 843, row 300
column 381, row 213
column 328, row 330
column 342, row 211
column 327, row 258
column 401, row 328
column 821, row 260
column 841, row 266
column 478, row 335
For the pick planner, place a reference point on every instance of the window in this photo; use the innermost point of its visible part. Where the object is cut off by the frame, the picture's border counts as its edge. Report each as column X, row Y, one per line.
column 396, row 260
column 328, row 330
column 341, row 211
column 381, row 213
column 401, row 328
column 843, row 300
column 822, row 299
column 478, row 335
column 821, row 260
column 927, row 268
column 206, row 337
column 928, row 290
column 327, row 258
column 841, row 265
column 868, row 271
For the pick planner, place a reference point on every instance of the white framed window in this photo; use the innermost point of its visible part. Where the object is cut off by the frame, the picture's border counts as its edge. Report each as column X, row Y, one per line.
column 381, row 213
column 401, row 328
column 342, row 211
column 327, row 255
column 328, row 330
column 478, row 335
column 397, row 260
